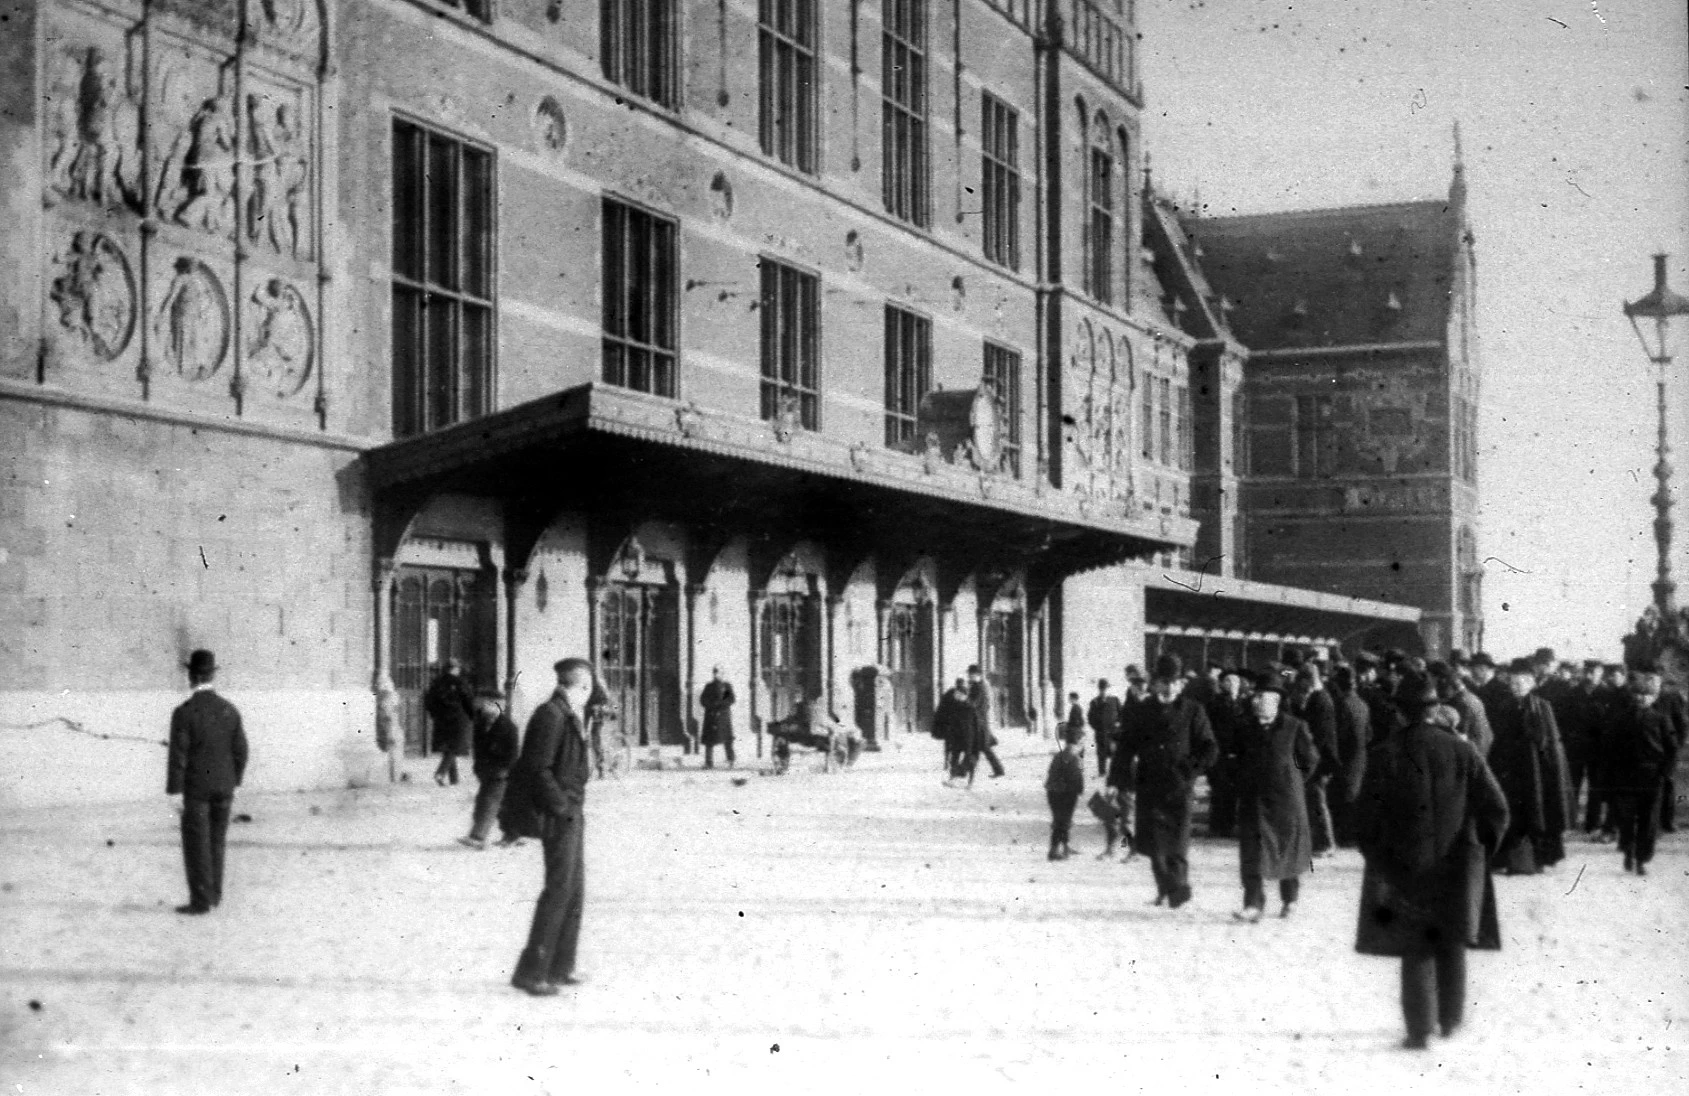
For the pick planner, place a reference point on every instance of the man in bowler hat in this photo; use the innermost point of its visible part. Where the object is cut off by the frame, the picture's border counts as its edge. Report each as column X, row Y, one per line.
column 547, row 799
column 207, row 761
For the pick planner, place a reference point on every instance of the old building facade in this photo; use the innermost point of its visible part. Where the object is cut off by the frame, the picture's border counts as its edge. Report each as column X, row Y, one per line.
column 816, row 341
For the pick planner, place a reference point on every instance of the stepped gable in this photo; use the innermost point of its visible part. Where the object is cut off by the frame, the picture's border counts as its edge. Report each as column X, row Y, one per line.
column 1352, row 276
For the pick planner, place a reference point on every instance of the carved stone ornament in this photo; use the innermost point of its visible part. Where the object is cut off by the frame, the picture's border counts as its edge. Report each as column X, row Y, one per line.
column 277, row 199
column 196, row 185
column 95, row 294
column 93, row 130
column 551, row 125
column 192, row 325
column 788, row 420
column 689, row 420
column 281, row 348
column 859, row 456
column 932, row 452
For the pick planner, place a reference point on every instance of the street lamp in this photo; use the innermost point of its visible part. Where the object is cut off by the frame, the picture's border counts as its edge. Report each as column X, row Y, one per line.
column 1660, row 306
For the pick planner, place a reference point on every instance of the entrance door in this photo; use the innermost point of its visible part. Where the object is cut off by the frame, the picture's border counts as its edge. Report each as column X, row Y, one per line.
column 909, row 643
column 1003, row 659
column 791, row 653
column 440, row 613
column 640, row 660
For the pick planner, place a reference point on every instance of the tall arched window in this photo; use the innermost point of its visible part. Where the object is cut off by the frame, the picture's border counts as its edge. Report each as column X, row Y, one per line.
column 1123, row 142
column 1099, row 236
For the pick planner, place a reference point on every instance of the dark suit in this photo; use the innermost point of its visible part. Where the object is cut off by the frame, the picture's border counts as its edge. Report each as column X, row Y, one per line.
column 1641, row 756
column 1104, row 717
column 1676, row 710
column 207, row 762
column 979, row 698
column 1319, row 712
column 1354, row 736
column 1162, row 749
column 550, row 783
column 717, row 701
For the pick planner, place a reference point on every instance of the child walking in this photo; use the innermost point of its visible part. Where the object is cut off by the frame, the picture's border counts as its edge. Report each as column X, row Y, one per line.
column 1063, row 786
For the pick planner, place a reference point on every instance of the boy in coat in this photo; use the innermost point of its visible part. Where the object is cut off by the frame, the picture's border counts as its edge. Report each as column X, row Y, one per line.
column 494, row 751
column 1063, row 786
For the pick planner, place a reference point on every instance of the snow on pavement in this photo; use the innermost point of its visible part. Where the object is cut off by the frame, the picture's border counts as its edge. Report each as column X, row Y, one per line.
column 871, row 931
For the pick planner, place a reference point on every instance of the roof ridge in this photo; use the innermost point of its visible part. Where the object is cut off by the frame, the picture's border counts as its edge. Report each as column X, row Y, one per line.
column 1325, row 210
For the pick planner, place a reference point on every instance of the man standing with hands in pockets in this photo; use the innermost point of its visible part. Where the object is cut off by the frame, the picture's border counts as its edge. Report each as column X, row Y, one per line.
column 548, row 794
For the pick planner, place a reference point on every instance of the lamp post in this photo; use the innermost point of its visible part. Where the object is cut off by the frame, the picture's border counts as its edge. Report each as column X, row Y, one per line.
column 1659, row 307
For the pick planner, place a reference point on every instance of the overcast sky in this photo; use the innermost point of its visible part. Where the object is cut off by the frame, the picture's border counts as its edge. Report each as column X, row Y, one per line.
column 1575, row 122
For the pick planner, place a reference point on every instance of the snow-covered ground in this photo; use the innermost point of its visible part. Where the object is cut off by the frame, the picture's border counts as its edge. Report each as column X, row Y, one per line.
column 870, row 932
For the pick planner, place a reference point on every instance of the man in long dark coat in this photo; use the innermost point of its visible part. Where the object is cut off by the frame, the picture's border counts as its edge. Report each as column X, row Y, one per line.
column 450, row 704
column 207, row 762
column 1530, row 764
column 1641, row 751
column 547, row 799
column 1489, row 686
column 1354, row 737
column 1474, row 719
column 1165, row 743
column 1315, row 707
column 1227, row 709
column 1608, row 705
column 1104, row 718
column 979, row 695
column 1676, row 709
column 953, row 724
column 717, row 701
column 1275, row 760
column 1429, row 817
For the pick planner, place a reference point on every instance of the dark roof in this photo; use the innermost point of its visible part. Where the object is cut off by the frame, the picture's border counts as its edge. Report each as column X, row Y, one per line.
column 1178, row 274
column 1331, row 277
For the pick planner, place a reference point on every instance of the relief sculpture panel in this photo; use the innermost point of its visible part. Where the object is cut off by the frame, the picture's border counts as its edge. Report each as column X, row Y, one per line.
column 93, row 123
column 1099, row 424
column 180, row 171
column 280, row 341
column 94, row 294
column 191, row 327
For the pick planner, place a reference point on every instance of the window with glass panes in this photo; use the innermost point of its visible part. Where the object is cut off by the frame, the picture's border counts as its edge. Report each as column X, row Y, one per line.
column 1100, row 255
column 903, row 115
column 640, row 270
column 791, row 344
column 1000, row 180
column 1147, row 402
column 1187, row 432
column 637, row 47
column 480, row 9
column 908, row 373
column 442, row 280
column 1164, row 452
column 1002, row 377
column 786, row 80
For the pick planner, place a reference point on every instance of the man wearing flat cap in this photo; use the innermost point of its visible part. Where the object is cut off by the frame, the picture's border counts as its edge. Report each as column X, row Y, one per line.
column 547, row 799
column 207, row 762
column 1165, row 742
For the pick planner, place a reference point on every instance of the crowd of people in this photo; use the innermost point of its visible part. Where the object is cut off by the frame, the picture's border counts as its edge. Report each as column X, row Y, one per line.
column 1439, row 772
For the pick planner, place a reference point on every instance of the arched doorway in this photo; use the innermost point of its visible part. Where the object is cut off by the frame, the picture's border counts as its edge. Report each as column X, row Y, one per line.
column 637, row 610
